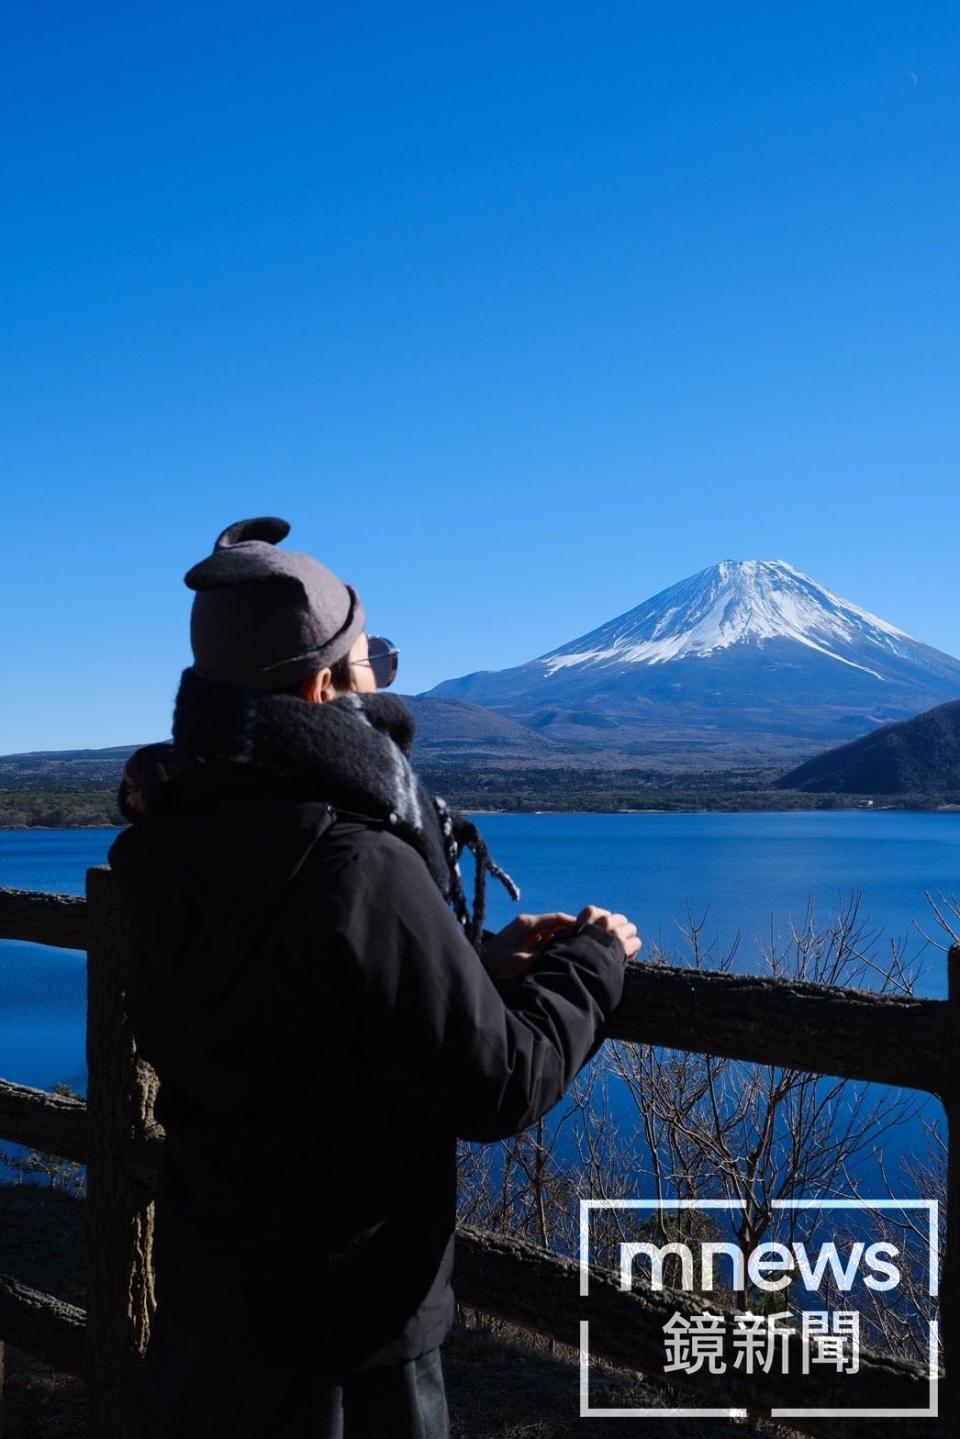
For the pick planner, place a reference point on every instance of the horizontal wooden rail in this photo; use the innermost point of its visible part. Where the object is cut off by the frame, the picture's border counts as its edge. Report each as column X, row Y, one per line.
column 849, row 1033
column 47, row 1328
column 58, row 1125
column 53, row 1123
column 40, row 918
column 825, row 1029
column 540, row 1291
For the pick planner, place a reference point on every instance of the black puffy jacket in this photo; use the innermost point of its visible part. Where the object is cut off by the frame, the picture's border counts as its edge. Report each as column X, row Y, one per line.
column 323, row 1032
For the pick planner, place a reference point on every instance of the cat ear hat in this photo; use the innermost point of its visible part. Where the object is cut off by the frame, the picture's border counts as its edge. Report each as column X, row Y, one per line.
column 263, row 617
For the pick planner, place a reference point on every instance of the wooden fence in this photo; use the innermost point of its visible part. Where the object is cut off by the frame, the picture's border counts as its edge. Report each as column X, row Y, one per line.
column 848, row 1033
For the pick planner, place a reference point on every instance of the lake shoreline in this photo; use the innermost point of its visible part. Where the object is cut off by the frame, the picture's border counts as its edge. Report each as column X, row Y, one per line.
column 857, row 807
column 746, row 879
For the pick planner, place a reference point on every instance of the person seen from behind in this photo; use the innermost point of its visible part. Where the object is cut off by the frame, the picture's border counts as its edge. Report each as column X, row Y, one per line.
column 326, row 1014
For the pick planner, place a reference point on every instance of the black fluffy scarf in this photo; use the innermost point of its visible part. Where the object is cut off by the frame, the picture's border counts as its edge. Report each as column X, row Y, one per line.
column 353, row 750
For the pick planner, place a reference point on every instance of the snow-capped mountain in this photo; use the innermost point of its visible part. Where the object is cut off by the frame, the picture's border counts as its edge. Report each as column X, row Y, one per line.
column 747, row 660
column 732, row 603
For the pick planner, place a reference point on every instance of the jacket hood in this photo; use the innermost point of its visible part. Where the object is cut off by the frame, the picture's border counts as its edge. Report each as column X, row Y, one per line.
column 351, row 753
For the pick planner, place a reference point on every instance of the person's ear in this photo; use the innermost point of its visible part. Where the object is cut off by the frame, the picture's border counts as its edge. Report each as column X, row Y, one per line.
column 318, row 689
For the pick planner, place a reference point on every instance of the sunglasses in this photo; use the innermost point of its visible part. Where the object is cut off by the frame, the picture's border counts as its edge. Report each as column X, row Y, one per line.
column 382, row 659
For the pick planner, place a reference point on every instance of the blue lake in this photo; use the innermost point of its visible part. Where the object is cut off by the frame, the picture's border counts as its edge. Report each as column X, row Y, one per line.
column 747, row 873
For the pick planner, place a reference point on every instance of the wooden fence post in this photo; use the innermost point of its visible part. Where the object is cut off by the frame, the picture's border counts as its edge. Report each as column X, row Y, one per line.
column 120, row 1095
column 950, row 1280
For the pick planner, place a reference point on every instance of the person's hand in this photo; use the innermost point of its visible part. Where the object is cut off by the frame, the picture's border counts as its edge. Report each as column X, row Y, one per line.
column 617, row 923
column 513, row 950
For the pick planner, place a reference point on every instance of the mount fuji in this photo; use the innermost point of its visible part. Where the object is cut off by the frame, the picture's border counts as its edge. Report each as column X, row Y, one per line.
column 747, row 662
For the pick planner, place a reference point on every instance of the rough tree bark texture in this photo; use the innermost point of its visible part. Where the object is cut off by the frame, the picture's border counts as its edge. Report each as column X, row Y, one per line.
column 52, row 1123
column 43, row 1326
column 950, row 1286
column 541, row 1291
column 120, row 1096
column 39, row 918
column 843, row 1032
column 850, row 1033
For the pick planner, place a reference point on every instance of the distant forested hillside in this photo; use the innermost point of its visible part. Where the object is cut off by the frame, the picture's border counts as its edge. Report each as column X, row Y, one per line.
column 920, row 756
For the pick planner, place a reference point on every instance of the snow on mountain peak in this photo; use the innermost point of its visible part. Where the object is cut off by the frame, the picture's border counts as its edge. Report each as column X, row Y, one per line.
column 734, row 602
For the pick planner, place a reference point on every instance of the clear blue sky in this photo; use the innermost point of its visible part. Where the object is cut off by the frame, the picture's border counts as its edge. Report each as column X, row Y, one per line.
column 519, row 312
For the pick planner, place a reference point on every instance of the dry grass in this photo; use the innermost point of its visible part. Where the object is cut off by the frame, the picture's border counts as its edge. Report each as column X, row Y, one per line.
column 43, row 1243
column 505, row 1383
column 502, row 1382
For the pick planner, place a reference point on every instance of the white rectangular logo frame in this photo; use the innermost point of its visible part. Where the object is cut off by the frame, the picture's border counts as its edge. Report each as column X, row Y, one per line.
column 930, row 1205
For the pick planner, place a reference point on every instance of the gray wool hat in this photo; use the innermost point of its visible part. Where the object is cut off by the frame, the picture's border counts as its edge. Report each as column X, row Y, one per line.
column 263, row 618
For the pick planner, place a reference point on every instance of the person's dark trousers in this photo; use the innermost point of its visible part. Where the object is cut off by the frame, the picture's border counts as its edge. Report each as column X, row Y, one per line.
column 183, row 1395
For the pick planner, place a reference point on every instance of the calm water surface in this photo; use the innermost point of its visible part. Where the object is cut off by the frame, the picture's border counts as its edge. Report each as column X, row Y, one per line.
column 746, row 873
